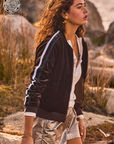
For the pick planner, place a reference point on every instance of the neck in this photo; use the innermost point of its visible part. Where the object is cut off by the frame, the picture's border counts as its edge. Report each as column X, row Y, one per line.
column 70, row 31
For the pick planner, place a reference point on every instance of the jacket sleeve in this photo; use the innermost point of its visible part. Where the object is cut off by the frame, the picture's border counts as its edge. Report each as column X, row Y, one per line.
column 44, row 64
column 79, row 92
column 79, row 87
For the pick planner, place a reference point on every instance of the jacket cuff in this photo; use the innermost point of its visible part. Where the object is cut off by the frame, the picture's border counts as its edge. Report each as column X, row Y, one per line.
column 30, row 114
column 31, row 109
column 80, row 116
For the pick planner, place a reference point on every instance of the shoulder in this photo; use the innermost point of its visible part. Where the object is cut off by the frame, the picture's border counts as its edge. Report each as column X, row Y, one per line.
column 50, row 44
column 50, row 41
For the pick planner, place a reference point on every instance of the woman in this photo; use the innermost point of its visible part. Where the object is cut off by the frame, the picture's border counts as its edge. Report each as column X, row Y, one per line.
column 55, row 94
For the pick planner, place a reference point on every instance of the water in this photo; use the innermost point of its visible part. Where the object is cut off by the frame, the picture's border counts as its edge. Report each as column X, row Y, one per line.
column 106, row 11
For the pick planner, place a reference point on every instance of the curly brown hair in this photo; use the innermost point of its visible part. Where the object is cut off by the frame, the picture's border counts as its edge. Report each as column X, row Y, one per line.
column 52, row 20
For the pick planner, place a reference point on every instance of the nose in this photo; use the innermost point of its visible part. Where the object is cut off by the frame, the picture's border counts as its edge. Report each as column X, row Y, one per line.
column 85, row 10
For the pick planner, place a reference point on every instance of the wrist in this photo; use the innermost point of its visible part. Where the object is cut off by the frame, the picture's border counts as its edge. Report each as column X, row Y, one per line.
column 28, row 132
column 24, row 135
column 80, row 118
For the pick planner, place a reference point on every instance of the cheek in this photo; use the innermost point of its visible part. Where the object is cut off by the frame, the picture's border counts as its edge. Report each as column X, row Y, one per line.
column 75, row 14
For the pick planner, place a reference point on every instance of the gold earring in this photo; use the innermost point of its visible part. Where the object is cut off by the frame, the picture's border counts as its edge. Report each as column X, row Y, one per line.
column 64, row 21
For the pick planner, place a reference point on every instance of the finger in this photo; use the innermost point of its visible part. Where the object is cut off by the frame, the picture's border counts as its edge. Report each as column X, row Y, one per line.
column 81, row 131
column 84, row 135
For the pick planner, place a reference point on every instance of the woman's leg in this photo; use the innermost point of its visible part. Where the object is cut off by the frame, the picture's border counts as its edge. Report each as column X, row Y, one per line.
column 75, row 141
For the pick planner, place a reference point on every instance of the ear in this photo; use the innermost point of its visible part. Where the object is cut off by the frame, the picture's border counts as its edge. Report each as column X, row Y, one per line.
column 64, row 15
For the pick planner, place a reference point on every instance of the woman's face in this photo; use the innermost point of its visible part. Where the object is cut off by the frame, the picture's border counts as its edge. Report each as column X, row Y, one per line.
column 77, row 14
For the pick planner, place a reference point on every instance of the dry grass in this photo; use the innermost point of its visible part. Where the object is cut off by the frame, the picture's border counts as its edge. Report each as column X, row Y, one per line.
column 95, row 95
column 15, row 67
column 94, row 135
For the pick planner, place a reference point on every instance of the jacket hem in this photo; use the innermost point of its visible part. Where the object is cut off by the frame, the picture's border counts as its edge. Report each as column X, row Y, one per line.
column 51, row 115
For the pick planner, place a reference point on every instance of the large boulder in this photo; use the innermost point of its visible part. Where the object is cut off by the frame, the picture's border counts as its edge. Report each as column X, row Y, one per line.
column 14, row 123
column 31, row 9
column 108, row 50
column 9, row 139
column 94, row 27
column 17, row 33
column 98, row 71
column 101, row 61
column 92, row 119
column 110, row 34
column 92, row 54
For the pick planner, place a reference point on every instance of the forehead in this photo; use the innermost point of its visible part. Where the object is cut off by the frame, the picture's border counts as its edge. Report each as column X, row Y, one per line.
column 78, row 1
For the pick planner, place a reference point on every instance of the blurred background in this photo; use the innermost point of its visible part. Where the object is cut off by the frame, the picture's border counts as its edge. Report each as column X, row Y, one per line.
column 17, row 53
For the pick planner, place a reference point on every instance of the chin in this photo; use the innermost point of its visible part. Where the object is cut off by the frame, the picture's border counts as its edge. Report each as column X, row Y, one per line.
column 84, row 23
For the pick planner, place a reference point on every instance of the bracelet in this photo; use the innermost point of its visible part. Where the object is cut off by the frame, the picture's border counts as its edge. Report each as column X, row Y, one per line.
column 26, row 135
column 80, row 118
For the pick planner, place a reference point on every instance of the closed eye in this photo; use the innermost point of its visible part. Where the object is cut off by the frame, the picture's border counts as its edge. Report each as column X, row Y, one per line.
column 80, row 5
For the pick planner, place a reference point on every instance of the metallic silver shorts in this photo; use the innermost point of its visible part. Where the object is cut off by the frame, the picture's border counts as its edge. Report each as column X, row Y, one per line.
column 54, row 132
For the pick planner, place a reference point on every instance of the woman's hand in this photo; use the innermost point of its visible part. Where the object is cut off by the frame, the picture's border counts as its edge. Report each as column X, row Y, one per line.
column 28, row 140
column 82, row 129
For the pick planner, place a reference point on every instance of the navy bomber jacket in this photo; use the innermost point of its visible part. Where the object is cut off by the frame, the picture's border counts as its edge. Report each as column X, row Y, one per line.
column 49, row 91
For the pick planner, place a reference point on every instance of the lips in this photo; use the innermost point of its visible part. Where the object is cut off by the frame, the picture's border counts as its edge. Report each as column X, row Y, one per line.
column 86, row 17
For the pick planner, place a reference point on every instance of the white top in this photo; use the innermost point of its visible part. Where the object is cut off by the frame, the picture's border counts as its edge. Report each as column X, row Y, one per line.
column 76, row 76
column 77, row 71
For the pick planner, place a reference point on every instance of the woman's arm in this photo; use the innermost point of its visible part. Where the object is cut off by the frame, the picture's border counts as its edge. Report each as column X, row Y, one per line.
column 44, row 64
column 27, row 137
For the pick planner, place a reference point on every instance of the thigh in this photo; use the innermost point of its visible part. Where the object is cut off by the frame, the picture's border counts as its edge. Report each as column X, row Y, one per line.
column 75, row 141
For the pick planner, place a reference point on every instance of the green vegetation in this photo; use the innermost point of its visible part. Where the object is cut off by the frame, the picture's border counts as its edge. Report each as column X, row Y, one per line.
column 98, row 40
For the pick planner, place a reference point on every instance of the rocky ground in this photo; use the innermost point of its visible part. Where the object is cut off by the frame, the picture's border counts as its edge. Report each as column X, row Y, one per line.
column 11, row 128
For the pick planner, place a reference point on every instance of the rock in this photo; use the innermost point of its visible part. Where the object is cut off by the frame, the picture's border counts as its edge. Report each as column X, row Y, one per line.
column 9, row 139
column 92, row 119
column 31, row 9
column 101, row 61
column 110, row 104
column 98, row 71
column 22, row 26
column 106, row 11
column 94, row 28
column 108, row 50
column 14, row 123
column 110, row 34
column 18, row 33
column 92, row 54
